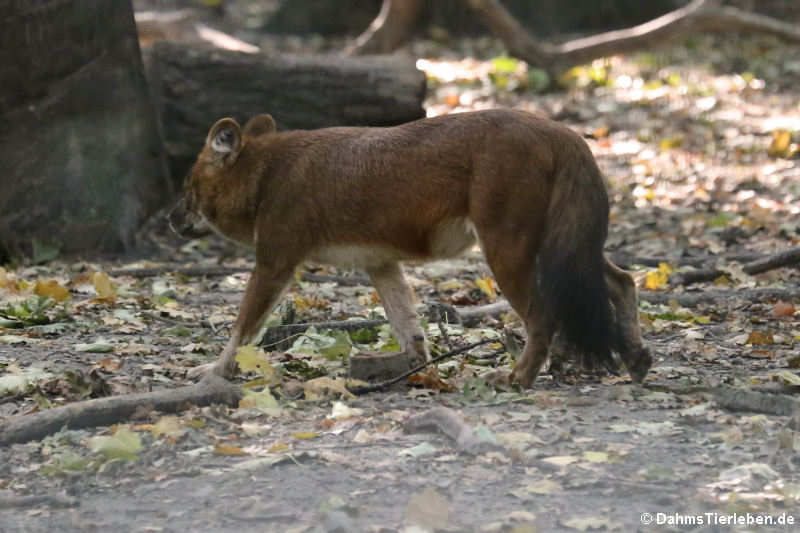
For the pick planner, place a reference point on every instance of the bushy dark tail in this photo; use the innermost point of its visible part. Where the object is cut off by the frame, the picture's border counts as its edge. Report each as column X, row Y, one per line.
column 570, row 265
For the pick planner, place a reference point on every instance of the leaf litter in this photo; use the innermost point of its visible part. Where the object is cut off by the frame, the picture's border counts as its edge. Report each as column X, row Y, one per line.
column 699, row 146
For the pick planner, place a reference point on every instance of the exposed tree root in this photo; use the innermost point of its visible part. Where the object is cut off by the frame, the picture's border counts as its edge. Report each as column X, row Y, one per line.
column 392, row 27
column 106, row 411
column 697, row 16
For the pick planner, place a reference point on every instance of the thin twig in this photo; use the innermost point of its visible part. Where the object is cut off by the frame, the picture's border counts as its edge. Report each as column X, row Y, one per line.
column 388, row 383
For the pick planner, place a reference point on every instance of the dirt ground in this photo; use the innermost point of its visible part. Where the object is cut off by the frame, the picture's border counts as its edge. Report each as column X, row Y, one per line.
column 698, row 142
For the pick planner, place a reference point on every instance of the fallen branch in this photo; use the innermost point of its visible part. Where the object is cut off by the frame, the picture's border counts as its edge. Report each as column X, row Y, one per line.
column 626, row 260
column 106, row 411
column 715, row 296
column 769, row 401
column 9, row 500
column 218, row 271
column 781, row 259
column 194, row 271
column 449, row 423
column 738, row 399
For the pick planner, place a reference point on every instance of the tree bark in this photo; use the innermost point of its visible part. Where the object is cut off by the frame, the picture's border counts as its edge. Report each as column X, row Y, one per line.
column 195, row 87
column 82, row 159
column 390, row 29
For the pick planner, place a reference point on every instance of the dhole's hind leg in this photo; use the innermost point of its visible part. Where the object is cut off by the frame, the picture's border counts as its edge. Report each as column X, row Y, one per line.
column 399, row 306
column 622, row 291
column 512, row 264
column 540, row 335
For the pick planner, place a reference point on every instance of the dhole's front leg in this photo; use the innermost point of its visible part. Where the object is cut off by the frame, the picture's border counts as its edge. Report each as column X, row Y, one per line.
column 398, row 303
column 263, row 290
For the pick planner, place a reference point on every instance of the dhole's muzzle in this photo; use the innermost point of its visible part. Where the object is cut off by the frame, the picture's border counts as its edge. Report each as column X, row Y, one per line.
column 185, row 222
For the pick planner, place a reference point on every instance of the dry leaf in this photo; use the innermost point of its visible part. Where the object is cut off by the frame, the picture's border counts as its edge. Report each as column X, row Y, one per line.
column 52, row 289
column 430, row 379
column 323, row 387
column 106, row 293
column 109, row 364
column 428, row 509
column 304, row 435
column 783, row 309
column 760, row 338
column 228, row 449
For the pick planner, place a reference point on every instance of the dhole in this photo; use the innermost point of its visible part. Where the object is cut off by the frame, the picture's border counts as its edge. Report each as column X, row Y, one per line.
column 526, row 188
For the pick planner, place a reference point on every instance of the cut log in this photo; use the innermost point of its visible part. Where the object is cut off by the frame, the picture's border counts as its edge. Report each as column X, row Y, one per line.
column 194, row 87
column 82, row 159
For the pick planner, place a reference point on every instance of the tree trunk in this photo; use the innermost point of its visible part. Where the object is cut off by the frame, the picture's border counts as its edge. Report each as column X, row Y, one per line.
column 391, row 28
column 82, row 159
column 195, row 87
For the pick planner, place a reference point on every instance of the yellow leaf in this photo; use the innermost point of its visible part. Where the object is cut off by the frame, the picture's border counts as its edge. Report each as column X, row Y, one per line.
column 51, row 289
column 722, row 280
column 228, row 449
column 300, row 303
column 305, row 435
column 487, row 286
column 261, row 400
column 278, row 447
column 781, row 144
column 664, row 268
column 105, row 289
column 596, row 457
column 655, row 280
column 168, row 426
column 668, row 143
column 123, row 444
column 252, row 359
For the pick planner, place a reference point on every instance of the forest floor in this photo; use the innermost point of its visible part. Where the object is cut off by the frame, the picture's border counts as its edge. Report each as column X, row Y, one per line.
column 698, row 143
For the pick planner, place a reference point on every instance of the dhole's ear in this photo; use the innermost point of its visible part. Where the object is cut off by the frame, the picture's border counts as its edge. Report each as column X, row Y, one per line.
column 225, row 137
column 259, row 125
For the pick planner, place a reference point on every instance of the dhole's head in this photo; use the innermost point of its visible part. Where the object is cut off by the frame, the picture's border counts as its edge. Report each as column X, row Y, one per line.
column 212, row 191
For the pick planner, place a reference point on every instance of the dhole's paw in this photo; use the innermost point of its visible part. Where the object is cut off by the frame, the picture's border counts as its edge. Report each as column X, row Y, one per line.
column 202, row 371
column 523, row 375
column 415, row 359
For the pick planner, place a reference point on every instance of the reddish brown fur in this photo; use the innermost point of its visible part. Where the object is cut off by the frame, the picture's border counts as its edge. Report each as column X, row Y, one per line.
column 390, row 194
